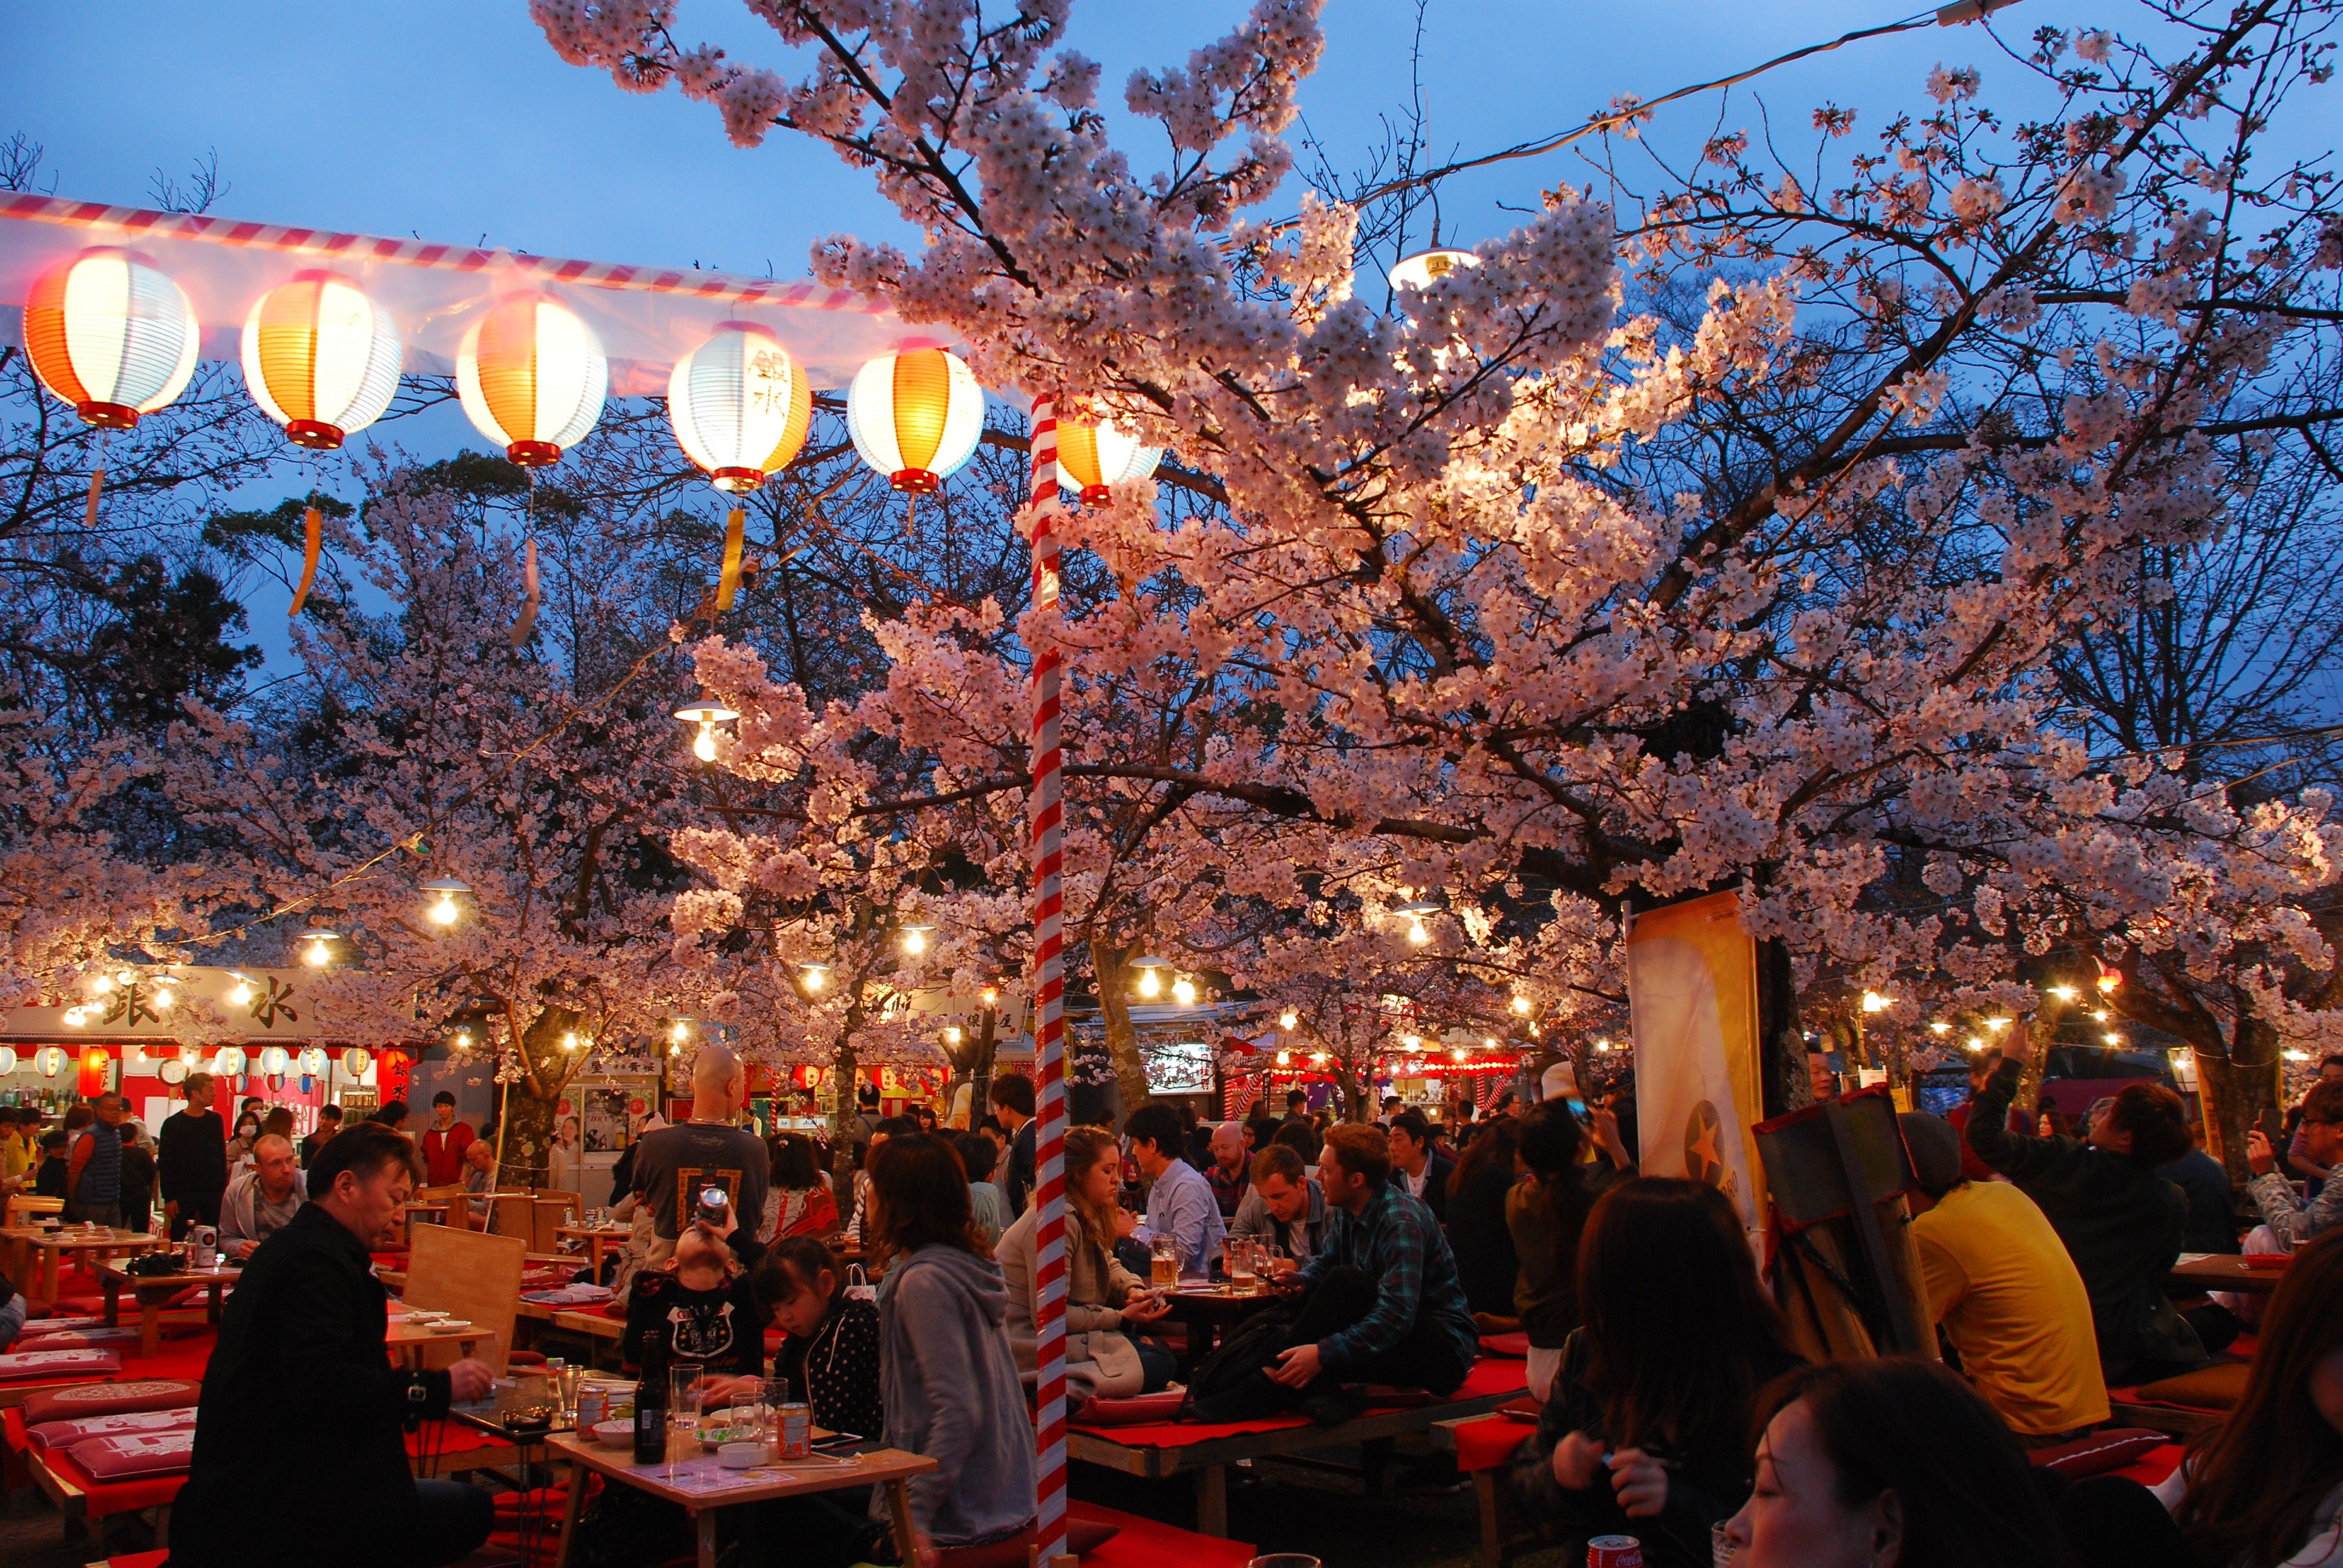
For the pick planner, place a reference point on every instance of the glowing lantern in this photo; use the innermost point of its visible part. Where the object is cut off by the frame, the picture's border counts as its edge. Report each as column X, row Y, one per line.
column 229, row 1062
column 7, row 1060
column 312, row 1063
column 739, row 408
column 915, row 417
column 50, row 1060
column 94, row 1059
column 320, row 358
column 1427, row 267
column 355, row 1061
column 1094, row 459
column 532, row 377
column 110, row 335
column 275, row 1059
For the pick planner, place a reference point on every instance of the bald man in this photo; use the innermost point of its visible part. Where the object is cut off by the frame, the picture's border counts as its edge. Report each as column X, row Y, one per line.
column 260, row 1200
column 672, row 1164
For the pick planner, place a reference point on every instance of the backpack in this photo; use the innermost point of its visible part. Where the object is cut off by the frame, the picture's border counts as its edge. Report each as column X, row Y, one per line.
column 1232, row 1384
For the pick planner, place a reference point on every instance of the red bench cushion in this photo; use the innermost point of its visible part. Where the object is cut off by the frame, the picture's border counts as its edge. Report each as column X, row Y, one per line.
column 1145, row 1543
column 43, row 1338
column 101, row 1498
column 1516, row 1345
column 2099, row 1452
column 1490, row 1376
column 2215, row 1387
column 110, row 1399
column 1489, row 1444
column 38, row 1365
column 66, row 1434
column 137, row 1455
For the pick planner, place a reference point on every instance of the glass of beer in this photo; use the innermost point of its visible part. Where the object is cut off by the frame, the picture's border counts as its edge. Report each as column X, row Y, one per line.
column 1241, row 1277
column 1163, row 1259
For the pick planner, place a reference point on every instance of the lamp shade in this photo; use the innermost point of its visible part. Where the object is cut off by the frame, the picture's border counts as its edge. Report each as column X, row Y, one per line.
column 741, row 408
column 110, row 335
column 1094, row 459
column 532, row 377
column 355, row 1061
column 1427, row 267
column 915, row 417
column 320, row 358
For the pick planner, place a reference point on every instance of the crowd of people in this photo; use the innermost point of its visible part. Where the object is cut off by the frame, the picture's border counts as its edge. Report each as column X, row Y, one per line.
column 1676, row 1403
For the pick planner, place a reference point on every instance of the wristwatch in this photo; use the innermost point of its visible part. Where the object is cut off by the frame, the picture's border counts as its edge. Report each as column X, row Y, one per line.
column 418, row 1395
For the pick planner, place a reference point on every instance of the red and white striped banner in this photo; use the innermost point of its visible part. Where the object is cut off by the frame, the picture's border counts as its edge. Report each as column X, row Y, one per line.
column 647, row 317
column 1237, row 1097
column 1047, row 846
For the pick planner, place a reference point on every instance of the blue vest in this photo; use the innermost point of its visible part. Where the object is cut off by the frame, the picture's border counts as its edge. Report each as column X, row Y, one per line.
column 101, row 1178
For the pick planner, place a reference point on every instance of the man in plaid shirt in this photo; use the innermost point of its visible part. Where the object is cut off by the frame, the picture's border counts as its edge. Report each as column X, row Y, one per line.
column 1384, row 1304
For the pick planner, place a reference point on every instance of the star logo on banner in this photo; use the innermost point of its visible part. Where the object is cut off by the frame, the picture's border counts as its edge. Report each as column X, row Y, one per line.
column 1704, row 1145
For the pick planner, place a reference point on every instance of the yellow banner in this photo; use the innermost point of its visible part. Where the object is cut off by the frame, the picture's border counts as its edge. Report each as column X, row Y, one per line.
column 1692, row 991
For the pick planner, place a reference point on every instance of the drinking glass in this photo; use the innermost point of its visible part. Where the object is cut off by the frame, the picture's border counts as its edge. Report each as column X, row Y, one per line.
column 1164, row 1255
column 686, row 1398
column 1242, row 1275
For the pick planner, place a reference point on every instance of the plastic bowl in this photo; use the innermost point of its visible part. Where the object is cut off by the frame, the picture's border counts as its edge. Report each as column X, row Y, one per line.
column 740, row 1455
column 615, row 1434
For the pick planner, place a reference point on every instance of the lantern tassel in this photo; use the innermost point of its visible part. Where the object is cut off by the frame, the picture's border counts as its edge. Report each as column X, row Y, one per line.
column 96, row 482
column 727, row 581
column 313, row 531
column 527, row 621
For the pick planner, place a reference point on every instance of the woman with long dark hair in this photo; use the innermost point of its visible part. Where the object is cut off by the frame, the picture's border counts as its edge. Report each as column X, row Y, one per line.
column 1486, row 1264
column 1889, row 1463
column 2265, row 1487
column 946, row 1379
column 1546, row 1215
column 797, row 1204
column 1648, row 1431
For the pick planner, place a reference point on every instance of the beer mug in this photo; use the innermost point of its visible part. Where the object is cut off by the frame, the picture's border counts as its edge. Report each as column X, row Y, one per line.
column 1164, row 1258
column 202, row 1247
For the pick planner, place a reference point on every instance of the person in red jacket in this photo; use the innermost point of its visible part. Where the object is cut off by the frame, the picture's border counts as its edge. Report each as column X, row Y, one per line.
column 445, row 1143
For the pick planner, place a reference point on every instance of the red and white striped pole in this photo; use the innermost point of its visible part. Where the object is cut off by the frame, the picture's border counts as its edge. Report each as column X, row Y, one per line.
column 1046, row 822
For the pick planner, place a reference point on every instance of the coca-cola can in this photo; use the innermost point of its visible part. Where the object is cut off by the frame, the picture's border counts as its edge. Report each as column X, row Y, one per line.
column 1615, row 1552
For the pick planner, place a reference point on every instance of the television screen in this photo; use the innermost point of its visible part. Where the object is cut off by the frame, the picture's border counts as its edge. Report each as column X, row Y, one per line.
column 1183, row 1067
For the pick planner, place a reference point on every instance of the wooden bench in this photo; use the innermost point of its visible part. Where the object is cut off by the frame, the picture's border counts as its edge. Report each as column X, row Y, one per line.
column 1483, row 1444
column 89, row 1502
column 1145, row 1451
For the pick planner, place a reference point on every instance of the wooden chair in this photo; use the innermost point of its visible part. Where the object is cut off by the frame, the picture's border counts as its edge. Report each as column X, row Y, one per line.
column 471, row 1276
column 553, row 1211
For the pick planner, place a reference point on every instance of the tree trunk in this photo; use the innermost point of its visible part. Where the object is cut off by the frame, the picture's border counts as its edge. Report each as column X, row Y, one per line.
column 2236, row 1087
column 1783, row 1084
column 1113, row 979
column 525, row 1131
column 845, row 1113
column 1355, row 1100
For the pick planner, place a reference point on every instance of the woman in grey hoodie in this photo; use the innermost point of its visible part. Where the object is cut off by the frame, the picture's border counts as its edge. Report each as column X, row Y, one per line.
column 947, row 1380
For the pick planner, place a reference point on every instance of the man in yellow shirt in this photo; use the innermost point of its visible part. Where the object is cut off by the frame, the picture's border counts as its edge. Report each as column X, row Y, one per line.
column 2008, row 1295
column 15, row 1143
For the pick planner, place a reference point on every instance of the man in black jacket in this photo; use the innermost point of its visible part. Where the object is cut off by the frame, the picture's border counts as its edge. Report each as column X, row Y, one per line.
column 297, row 1433
column 191, row 1159
column 2122, row 1223
column 1417, row 1160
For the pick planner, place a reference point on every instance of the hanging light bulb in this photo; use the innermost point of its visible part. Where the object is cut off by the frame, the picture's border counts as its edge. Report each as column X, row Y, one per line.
column 464, row 1039
column 1284, row 1059
column 1602, row 1045
column 679, row 1032
column 708, row 713
column 915, row 938
column 162, row 998
column 1940, row 1027
column 318, row 954
column 1874, row 1003
column 1288, row 1019
column 74, row 1018
column 1184, row 991
column 1150, row 984
column 240, row 993
column 1521, row 1004
column 1417, row 934
column 815, row 976
column 951, row 1034
column 446, row 912
column 101, row 984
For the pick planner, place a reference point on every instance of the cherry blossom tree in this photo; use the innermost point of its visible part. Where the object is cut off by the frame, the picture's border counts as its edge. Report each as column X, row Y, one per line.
column 1770, row 592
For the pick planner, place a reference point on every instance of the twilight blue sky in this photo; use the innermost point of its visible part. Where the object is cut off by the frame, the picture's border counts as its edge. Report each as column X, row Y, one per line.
column 453, row 119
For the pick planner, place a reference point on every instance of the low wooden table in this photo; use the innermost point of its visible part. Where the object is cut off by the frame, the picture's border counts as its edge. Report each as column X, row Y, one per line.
column 1207, row 1310
column 50, row 1248
column 2224, row 1271
column 704, row 1488
column 599, row 1240
column 153, row 1293
column 407, row 1339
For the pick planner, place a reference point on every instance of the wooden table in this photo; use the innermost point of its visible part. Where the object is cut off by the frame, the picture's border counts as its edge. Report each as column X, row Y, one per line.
column 705, row 1489
column 2223, row 1272
column 51, row 1246
column 1205, row 1310
column 597, row 1239
column 432, row 1213
column 153, row 1293
column 407, row 1339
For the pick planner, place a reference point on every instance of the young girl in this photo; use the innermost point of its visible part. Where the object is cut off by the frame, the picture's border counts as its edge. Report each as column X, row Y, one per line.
column 832, row 1349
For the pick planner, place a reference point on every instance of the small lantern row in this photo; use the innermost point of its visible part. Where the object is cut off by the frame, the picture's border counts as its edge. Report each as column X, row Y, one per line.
column 111, row 335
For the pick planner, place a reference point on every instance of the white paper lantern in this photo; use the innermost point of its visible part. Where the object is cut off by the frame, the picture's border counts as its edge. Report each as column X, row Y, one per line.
column 355, row 1061
column 915, row 417
column 532, row 377
column 50, row 1060
column 274, row 1059
column 320, row 358
column 1094, row 459
column 111, row 335
column 312, row 1063
column 740, row 406
column 7, row 1060
column 229, row 1062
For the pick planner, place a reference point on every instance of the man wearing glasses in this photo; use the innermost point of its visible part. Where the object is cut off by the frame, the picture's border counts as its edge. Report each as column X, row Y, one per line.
column 2322, row 1140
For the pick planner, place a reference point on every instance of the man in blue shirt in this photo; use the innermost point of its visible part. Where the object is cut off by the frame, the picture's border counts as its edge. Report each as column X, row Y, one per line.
column 1179, row 1204
column 1384, row 1303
